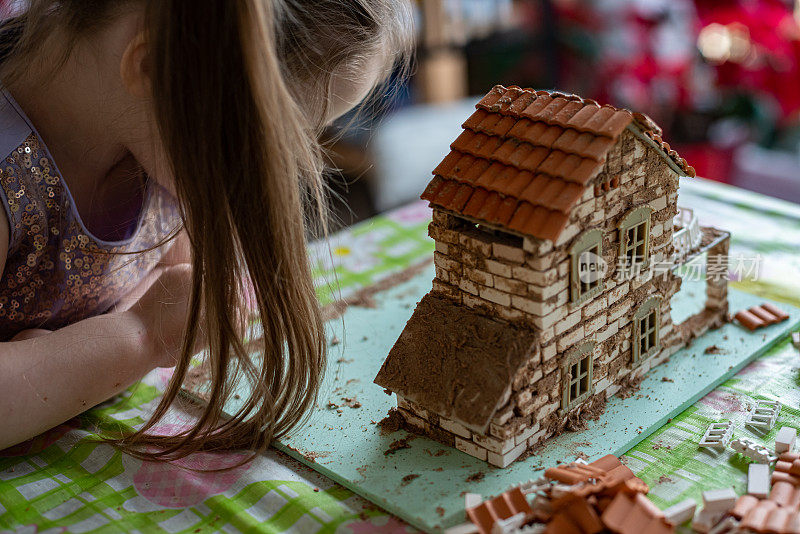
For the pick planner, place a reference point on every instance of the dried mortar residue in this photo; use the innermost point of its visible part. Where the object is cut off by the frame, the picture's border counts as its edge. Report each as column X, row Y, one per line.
column 365, row 298
column 391, row 423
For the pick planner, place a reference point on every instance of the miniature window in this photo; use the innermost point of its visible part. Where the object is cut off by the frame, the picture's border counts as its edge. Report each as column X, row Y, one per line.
column 587, row 269
column 634, row 239
column 646, row 323
column 493, row 233
column 578, row 370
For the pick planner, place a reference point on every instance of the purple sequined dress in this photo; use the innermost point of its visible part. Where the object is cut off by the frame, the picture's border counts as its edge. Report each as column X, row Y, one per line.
column 56, row 272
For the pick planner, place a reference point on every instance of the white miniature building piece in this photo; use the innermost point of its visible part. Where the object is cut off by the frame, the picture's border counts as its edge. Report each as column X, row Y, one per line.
column 719, row 500
column 753, row 450
column 507, row 526
column 728, row 525
column 785, row 439
column 533, row 486
column 463, row 528
column 680, row 513
column 706, row 520
column 758, row 480
column 763, row 414
column 796, row 339
column 471, row 500
column 718, row 435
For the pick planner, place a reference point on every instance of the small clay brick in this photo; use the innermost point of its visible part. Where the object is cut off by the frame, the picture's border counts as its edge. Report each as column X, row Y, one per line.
column 785, row 439
column 758, row 480
column 796, row 339
column 680, row 513
column 719, row 500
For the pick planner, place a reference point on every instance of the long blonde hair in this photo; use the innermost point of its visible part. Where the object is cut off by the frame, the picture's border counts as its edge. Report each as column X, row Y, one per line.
column 241, row 90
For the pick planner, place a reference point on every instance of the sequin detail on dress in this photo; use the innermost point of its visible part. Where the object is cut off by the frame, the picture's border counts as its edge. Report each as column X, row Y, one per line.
column 56, row 272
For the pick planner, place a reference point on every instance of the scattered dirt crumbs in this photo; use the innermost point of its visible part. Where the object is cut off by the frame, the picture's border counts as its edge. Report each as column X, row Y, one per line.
column 440, row 511
column 713, row 349
column 629, row 387
column 408, row 479
column 351, row 402
column 398, row 445
column 666, row 379
column 476, row 477
column 391, row 423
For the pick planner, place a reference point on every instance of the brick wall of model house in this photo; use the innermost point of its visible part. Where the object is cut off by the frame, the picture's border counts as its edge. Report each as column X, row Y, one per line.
column 530, row 284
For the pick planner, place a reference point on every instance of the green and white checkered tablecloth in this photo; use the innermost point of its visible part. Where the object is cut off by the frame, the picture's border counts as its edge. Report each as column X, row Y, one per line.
column 66, row 482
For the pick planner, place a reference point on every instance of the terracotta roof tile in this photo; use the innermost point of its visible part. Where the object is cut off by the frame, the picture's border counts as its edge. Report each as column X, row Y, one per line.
column 517, row 185
column 785, row 494
column 503, row 506
column 779, row 513
column 579, row 120
column 488, row 101
column 504, row 125
column 779, row 476
column 607, row 471
column 566, row 113
column 572, row 513
column 760, row 316
column 616, row 123
column 562, row 524
column 474, row 120
column 787, row 469
column 598, row 148
column 743, row 505
column 516, row 134
column 534, row 159
column 635, row 514
column 764, row 315
column 768, row 518
column 506, row 210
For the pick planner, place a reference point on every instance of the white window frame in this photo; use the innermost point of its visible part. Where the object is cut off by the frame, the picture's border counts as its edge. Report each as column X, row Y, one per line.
column 650, row 309
column 638, row 221
column 589, row 241
column 581, row 360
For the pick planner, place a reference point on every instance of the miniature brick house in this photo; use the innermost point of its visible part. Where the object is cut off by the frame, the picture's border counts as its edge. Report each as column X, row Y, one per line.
column 523, row 333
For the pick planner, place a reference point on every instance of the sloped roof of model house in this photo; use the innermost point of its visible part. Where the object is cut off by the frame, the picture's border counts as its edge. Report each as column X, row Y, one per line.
column 455, row 361
column 526, row 157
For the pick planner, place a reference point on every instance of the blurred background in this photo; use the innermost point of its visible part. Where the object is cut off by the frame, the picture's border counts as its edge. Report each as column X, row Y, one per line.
column 721, row 77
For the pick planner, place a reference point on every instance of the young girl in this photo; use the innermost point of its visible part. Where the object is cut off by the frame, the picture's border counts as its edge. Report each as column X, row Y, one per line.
column 156, row 154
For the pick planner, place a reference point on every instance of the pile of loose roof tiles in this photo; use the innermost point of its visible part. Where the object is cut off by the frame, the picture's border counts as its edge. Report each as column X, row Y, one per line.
column 576, row 498
column 760, row 316
column 779, row 511
column 606, row 497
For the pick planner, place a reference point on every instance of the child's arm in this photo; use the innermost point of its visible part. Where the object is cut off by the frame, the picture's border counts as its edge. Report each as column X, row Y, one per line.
column 50, row 378
column 179, row 253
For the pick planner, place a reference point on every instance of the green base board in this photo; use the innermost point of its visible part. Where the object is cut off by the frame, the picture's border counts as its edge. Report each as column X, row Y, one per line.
column 345, row 443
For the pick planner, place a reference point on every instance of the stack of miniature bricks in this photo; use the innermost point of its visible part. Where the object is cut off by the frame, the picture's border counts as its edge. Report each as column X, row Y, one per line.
column 576, row 498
